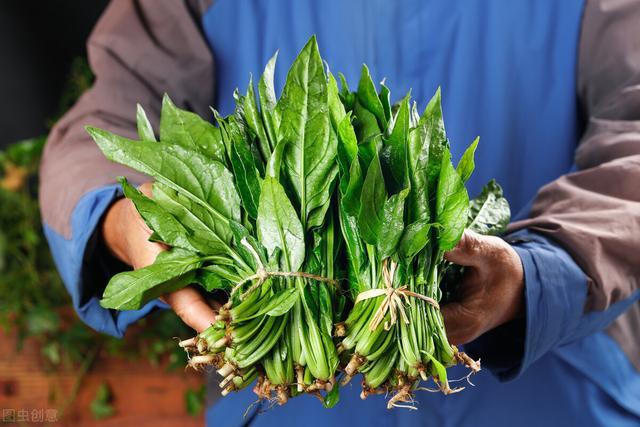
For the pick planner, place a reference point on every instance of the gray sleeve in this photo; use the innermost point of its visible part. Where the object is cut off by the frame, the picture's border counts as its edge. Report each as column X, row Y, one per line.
column 139, row 50
column 595, row 212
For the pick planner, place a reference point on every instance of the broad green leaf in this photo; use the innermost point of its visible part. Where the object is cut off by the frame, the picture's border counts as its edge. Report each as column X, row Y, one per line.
column 246, row 176
column 336, row 108
column 348, row 143
column 253, row 118
column 352, row 189
column 145, row 131
column 210, row 281
column 489, row 213
column 372, row 201
column 279, row 226
column 275, row 161
column 267, row 94
column 466, row 165
column 130, row 290
column 452, row 205
column 311, row 144
column 206, row 182
column 435, row 134
column 203, row 226
column 392, row 224
column 354, row 249
column 418, row 159
column 368, row 133
column 347, row 97
column 414, row 238
column 160, row 221
column 188, row 130
column 394, row 153
column 368, row 97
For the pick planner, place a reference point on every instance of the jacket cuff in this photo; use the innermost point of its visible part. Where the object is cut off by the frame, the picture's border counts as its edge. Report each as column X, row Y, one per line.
column 555, row 295
column 86, row 266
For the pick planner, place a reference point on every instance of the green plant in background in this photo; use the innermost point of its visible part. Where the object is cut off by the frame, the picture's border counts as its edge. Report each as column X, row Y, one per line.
column 101, row 406
column 34, row 301
column 195, row 400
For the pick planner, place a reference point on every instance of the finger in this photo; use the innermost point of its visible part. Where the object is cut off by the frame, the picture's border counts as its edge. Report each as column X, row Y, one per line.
column 146, row 189
column 468, row 251
column 460, row 323
column 192, row 308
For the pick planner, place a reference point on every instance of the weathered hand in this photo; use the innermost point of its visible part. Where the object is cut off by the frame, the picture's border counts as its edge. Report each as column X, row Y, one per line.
column 492, row 289
column 127, row 236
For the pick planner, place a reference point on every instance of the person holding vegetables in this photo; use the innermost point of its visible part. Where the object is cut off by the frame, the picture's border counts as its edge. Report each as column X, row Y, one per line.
column 552, row 88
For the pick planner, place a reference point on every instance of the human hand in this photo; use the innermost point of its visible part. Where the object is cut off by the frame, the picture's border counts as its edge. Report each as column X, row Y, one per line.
column 127, row 236
column 492, row 288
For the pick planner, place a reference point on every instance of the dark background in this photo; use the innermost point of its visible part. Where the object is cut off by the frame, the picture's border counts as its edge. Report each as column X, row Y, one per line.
column 38, row 42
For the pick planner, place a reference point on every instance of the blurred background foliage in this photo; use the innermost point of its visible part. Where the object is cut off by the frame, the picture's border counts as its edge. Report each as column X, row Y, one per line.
column 35, row 303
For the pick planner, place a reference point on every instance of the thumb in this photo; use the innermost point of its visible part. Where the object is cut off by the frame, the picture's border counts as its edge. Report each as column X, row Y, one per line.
column 468, row 251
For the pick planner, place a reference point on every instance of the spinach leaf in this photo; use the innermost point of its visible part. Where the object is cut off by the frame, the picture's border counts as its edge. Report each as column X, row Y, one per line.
column 336, row 109
column 368, row 133
column 162, row 223
column 145, row 131
column 372, row 200
column 210, row 281
column 348, row 98
column 351, row 186
column 311, row 143
column 418, row 159
column 348, row 147
column 489, row 213
column 130, row 290
column 392, row 224
column 267, row 94
column 188, row 130
column 278, row 225
column 246, row 176
column 206, row 182
column 394, row 154
column 203, row 226
column 253, row 119
column 466, row 165
column 368, row 97
column 414, row 238
column 452, row 205
column 435, row 134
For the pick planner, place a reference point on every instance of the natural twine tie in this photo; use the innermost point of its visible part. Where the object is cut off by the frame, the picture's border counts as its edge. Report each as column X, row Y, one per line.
column 262, row 274
column 393, row 300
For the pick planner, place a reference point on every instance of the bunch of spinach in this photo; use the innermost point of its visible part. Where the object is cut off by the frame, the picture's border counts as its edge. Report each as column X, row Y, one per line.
column 245, row 206
column 284, row 198
column 402, row 205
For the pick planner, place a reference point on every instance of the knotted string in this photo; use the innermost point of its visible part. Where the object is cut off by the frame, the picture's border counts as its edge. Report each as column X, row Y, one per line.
column 263, row 274
column 393, row 300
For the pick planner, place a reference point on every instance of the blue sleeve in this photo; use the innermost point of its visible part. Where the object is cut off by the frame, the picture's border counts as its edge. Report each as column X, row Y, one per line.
column 83, row 269
column 555, row 297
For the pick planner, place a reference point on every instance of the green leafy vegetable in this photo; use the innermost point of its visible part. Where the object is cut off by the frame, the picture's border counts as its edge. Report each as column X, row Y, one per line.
column 295, row 205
